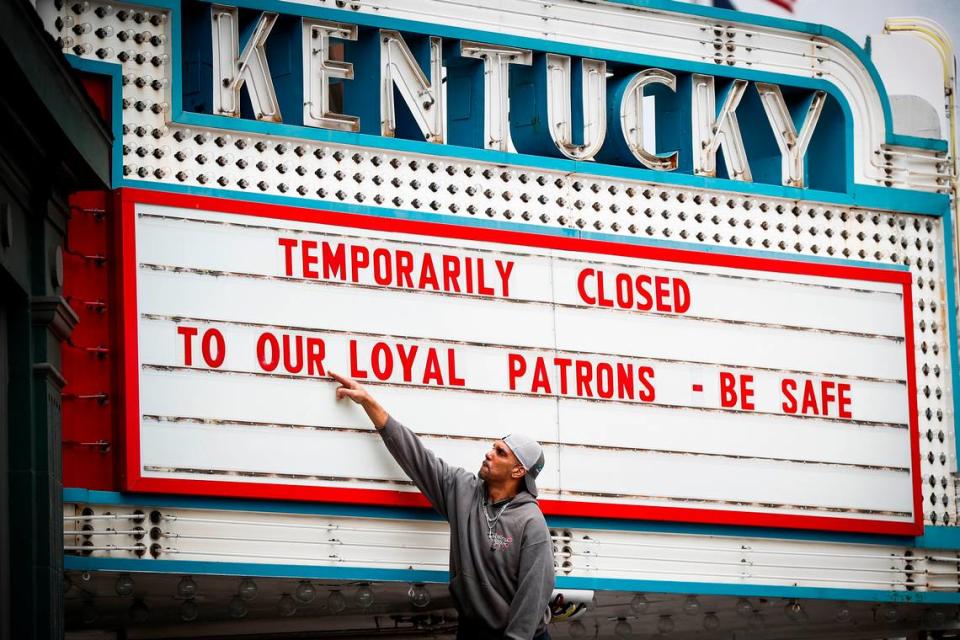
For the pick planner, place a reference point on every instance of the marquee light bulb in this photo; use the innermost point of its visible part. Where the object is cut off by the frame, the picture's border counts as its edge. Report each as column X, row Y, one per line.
column 189, row 611
column 711, row 622
column 744, row 608
column 794, row 611
column 305, row 591
column 844, row 614
column 365, row 596
column 577, row 630
column 691, row 606
column 187, row 587
column 419, row 596
column 934, row 618
column 124, row 585
column 889, row 613
column 139, row 611
column 89, row 613
column 639, row 604
column 237, row 607
column 623, row 629
column 247, row 589
column 337, row 603
column 666, row 624
column 287, row 606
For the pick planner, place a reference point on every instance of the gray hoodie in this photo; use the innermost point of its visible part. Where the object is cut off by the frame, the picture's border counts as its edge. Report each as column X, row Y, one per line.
column 500, row 584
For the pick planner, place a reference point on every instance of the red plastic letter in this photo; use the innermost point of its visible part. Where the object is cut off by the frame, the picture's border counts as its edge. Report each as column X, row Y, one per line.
column 187, row 333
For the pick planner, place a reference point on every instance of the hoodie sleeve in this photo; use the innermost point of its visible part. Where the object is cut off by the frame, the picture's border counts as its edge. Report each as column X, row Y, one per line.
column 434, row 477
column 536, row 585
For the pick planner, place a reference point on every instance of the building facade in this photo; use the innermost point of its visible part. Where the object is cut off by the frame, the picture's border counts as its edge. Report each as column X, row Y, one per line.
column 689, row 250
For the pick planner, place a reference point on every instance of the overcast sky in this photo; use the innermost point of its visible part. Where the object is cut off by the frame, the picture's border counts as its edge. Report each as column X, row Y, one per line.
column 860, row 18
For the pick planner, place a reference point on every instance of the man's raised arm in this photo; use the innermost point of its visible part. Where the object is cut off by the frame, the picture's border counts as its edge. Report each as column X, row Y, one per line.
column 434, row 477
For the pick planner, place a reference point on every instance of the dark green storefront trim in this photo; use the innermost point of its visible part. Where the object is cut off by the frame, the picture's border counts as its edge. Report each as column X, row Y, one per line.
column 52, row 142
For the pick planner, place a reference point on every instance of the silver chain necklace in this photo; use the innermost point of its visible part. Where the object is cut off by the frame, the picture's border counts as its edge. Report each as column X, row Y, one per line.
column 492, row 522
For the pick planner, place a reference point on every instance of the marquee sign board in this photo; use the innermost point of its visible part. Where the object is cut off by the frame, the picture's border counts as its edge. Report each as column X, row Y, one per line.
column 480, row 241
column 663, row 383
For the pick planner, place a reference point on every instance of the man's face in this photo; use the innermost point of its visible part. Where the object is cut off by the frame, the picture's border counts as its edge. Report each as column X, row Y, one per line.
column 500, row 463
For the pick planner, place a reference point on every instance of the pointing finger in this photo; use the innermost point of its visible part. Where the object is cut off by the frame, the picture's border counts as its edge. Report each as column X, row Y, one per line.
column 345, row 381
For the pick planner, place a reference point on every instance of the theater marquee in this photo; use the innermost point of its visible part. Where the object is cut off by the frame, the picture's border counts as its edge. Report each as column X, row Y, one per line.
column 685, row 248
column 664, row 383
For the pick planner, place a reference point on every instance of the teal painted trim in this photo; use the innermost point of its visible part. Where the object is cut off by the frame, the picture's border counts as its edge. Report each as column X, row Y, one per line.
column 113, row 72
column 250, row 569
column 176, row 38
column 939, row 538
column 916, row 142
column 363, row 574
column 757, row 591
column 934, row 537
column 479, row 222
column 856, row 195
column 900, row 200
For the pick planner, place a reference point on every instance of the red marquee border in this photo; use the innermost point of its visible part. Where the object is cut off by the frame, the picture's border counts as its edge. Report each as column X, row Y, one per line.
column 126, row 199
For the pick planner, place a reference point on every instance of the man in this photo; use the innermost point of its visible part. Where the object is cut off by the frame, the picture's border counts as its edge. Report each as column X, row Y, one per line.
column 501, row 554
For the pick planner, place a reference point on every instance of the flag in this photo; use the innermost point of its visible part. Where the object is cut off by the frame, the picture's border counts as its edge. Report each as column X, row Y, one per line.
column 783, row 4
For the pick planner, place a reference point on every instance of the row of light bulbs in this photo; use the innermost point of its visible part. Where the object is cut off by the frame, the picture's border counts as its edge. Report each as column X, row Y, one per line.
column 104, row 10
column 793, row 610
column 711, row 621
column 247, row 589
column 419, row 596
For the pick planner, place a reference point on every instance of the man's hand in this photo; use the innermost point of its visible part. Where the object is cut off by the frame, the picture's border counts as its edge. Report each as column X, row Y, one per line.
column 352, row 389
